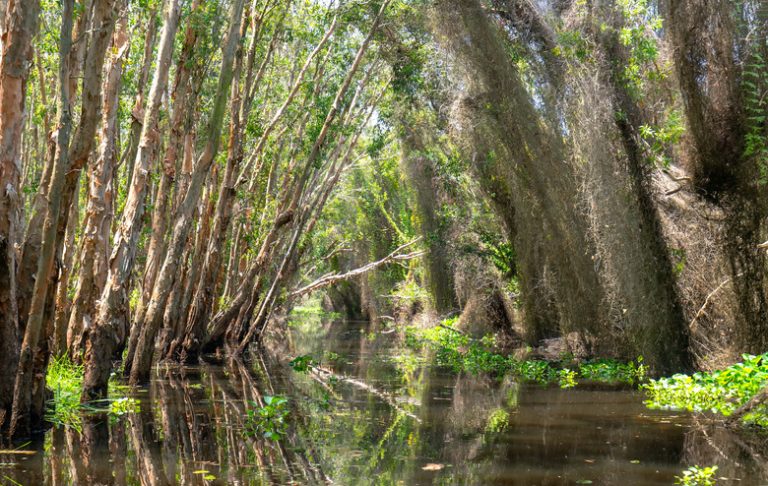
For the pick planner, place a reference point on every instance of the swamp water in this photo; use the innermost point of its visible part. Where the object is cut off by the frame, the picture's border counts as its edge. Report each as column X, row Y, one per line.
column 367, row 418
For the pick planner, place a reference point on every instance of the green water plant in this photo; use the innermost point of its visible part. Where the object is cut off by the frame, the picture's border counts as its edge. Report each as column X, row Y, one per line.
column 610, row 370
column 566, row 378
column 302, row 364
column 269, row 420
column 498, row 421
column 461, row 353
column 720, row 392
column 122, row 406
column 697, row 476
column 65, row 379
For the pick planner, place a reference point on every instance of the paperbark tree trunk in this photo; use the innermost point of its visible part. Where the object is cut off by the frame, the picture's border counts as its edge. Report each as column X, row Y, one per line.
column 93, row 268
column 203, row 301
column 25, row 415
column 137, row 112
column 142, row 359
column 98, row 33
column 19, row 25
column 112, row 318
column 181, row 112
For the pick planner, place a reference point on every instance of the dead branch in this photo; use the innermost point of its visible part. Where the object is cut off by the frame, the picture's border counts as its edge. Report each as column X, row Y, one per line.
column 760, row 399
column 707, row 300
column 328, row 280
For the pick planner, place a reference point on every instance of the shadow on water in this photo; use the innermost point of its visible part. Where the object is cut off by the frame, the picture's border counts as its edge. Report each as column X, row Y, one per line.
column 363, row 417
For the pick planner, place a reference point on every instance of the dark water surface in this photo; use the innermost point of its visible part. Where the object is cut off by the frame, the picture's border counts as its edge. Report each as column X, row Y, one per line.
column 378, row 420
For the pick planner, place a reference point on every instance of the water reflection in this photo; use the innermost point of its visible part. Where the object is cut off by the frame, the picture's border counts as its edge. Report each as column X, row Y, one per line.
column 365, row 418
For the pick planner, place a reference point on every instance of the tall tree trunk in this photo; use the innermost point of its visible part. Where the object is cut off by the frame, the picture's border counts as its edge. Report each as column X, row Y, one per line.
column 19, row 25
column 142, row 360
column 61, row 304
column 538, row 157
column 24, row 417
column 202, row 303
column 293, row 196
column 421, row 174
column 137, row 112
column 112, row 318
column 97, row 223
column 98, row 34
column 183, row 110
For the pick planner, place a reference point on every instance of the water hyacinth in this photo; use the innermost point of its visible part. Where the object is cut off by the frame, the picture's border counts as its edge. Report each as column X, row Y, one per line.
column 461, row 353
column 720, row 392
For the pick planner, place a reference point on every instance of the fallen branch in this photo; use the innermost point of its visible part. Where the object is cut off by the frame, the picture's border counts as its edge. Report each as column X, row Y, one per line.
column 761, row 398
column 328, row 280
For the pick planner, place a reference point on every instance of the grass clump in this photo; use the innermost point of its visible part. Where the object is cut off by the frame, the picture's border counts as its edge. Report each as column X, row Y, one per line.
column 65, row 379
column 719, row 392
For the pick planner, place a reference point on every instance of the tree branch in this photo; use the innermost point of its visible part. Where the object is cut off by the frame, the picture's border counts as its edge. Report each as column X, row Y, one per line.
column 332, row 279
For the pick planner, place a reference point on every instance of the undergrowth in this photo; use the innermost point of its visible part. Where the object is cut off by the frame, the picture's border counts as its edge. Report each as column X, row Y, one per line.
column 719, row 392
column 65, row 379
column 461, row 353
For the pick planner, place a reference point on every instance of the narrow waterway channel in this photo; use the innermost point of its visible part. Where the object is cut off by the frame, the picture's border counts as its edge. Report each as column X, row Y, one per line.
column 365, row 418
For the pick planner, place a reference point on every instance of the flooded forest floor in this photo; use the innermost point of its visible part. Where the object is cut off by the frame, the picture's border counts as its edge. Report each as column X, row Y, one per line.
column 363, row 410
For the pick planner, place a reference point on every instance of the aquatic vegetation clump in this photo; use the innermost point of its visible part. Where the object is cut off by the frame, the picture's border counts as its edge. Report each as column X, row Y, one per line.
column 612, row 370
column 697, row 476
column 123, row 406
column 567, row 378
column 302, row 364
column 721, row 391
column 270, row 420
column 65, row 378
column 498, row 421
column 462, row 353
